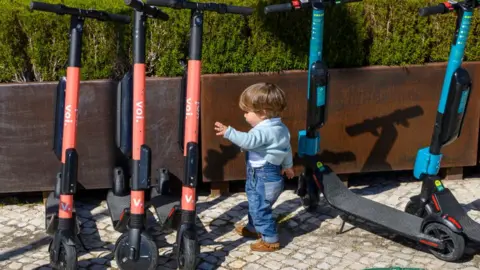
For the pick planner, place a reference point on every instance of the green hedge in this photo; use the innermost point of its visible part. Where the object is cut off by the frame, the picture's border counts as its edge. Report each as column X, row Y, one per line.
column 34, row 45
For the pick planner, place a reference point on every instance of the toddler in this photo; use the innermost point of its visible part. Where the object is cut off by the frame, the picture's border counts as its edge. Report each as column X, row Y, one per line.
column 269, row 156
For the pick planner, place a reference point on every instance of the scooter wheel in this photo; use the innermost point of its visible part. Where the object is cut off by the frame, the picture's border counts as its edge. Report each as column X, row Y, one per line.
column 148, row 253
column 412, row 208
column 187, row 254
column 454, row 243
column 67, row 259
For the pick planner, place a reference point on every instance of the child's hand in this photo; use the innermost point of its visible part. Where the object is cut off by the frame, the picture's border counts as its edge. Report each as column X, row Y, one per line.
column 289, row 172
column 220, row 128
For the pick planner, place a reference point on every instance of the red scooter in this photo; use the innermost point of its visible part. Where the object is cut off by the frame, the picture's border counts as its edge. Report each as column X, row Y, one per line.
column 60, row 219
column 135, row 248
column 187, row 248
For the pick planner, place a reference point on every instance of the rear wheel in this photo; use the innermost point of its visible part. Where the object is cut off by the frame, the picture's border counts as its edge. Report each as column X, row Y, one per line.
column 413, row 209
column 454, row 243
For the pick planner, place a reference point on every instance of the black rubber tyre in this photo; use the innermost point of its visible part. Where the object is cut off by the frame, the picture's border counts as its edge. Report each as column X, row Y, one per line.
column 67, row 259
column 455, row 243
column 148, row 253
column 187, row 257
column 412, row 208
column 119, row 184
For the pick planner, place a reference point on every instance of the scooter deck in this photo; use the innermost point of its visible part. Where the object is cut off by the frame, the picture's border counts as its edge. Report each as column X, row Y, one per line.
column 116, row 205
column 343, row 199
column 163, row 205
column 450, row 206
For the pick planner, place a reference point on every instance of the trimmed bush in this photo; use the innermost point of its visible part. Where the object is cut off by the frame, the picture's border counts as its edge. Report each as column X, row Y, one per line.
column 34, row 45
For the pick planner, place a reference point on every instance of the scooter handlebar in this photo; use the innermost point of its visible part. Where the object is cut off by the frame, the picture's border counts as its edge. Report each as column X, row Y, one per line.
column 94, row 14
column 220, row 8
column 278, row 8
column 239, row 10
column 147, row 9
column 162, row 3
column 296, row 4
column 438, row 9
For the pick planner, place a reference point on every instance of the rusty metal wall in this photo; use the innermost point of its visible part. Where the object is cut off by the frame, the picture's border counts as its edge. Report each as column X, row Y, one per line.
column 27, row 162
column 377, row 119
column 365, row 129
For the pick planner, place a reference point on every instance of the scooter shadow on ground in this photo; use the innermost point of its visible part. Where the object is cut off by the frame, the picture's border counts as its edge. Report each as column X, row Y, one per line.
column 166, row 253
column 287, row 224
column 472, row 206
column 371, row 184
column 89, row 235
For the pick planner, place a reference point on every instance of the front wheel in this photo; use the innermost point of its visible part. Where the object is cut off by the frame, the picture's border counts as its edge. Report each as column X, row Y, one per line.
column 148, row 253
column 454, row 243
column 187, row 254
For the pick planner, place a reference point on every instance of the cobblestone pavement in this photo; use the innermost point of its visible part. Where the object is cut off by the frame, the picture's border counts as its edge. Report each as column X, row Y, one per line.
column 309, row 240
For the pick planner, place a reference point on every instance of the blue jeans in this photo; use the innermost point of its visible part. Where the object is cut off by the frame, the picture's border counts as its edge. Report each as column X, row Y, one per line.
column 263, row 187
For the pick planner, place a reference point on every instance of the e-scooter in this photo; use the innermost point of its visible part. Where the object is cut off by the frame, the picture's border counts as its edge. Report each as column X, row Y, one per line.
column 62, row 223
column 135, row 248
column 187, row 248
column 441, row 230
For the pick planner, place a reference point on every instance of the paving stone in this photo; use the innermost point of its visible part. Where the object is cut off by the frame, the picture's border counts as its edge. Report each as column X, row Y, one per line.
column 238, row 264
column 15, row 265
column 252, row 266
column 306, row 245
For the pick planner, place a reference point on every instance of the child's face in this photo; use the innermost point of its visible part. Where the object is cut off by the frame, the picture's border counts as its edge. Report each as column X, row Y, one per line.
column 253, row 118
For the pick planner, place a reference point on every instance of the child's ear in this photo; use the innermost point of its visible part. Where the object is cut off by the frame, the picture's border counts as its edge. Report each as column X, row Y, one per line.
column 263, row 114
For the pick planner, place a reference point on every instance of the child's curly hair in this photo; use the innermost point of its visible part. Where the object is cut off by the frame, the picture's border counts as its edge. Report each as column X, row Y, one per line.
column 264, row 98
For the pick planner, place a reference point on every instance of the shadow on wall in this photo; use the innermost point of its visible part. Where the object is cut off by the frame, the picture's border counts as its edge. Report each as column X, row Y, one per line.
column 329, row 157
column 217, row 160
column 385, row 128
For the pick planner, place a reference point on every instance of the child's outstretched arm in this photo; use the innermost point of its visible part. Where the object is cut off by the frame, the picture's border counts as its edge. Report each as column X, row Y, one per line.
column 287, row 165
column 288, row 161
column 246, row 140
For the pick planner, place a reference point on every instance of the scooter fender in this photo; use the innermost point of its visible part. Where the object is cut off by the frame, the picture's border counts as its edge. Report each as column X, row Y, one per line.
column 64, row 237
column 435, row 218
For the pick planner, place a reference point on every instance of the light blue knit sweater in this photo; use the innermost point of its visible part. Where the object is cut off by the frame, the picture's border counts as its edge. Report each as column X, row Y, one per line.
column 269, row 138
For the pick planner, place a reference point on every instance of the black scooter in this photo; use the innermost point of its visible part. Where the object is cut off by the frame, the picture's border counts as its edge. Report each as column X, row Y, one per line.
column 60, row 218
column 433, row 218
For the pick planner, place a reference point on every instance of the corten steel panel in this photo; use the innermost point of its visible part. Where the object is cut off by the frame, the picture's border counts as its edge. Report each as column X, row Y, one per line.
column 27, row 162
column 377, row 120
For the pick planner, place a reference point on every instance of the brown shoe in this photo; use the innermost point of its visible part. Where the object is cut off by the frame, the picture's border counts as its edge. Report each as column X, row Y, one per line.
column 263, row 246
column 242, row 231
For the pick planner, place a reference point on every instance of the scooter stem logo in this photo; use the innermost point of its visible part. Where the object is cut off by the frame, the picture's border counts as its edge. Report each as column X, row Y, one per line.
column 65, row 207
column 188, row 108
column 68, row 114
column 139, row 111
column 137, row 202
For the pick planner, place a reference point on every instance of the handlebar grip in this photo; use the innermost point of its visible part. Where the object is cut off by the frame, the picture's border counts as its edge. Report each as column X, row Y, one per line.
column 438, row 9
column 278, row 8
column 119, row 18
column 239, row 10
column 156, row 13
column 56, row 8
column 149, row 10
column 162, row 3
column 350, row 1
